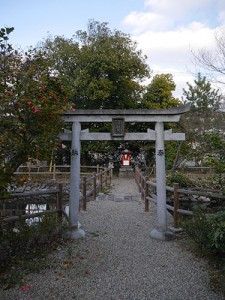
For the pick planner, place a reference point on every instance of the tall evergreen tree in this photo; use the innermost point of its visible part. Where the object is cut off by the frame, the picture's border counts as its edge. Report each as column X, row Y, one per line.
column 159, row 93
column 204, row 123
column 202, row 97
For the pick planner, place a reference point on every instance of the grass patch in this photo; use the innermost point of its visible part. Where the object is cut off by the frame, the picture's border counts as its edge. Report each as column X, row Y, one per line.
column 207, row 240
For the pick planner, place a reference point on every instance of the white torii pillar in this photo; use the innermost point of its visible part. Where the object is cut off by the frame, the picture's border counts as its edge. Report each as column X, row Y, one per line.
column 161, row 233
column 74, row 231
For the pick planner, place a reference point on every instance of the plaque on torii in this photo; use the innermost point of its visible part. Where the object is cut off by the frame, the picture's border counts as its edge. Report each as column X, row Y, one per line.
column 118, row 127
column 118, row 118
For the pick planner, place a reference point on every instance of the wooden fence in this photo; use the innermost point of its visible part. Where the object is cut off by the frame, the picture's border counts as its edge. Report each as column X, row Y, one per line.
column 147, row 189
column 197, row 170
column 13, row 208
column 54, row 172
column 93, row 184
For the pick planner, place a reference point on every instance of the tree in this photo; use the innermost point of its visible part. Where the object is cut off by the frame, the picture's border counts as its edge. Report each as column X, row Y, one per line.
column 202, row 97
column 205, row 114
column 102, row 68
column 31, row 102
column 158, row 93
column 213, row 60
column 204, row 121
column 216, row 151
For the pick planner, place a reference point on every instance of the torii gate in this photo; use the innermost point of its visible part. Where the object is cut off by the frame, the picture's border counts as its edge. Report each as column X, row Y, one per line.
column 118, row 119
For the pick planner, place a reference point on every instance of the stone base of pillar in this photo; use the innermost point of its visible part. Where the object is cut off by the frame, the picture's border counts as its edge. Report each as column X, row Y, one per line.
column 74, row 234
column 160, row 235
column 126, row 171
column 175, row 230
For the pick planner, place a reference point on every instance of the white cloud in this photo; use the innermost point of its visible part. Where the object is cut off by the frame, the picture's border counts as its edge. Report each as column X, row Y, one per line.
column 146, row 21
column 167, row 31
column 173, row 48
column 176, row 7
column 221, row 17
column 170, row 14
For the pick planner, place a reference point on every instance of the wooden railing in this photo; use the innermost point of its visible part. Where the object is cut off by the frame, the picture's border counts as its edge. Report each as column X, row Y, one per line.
column 197, row 170
column 147, row 189
column 90, row 185
column 23, row 200
column 54, row 171
column 93, row 184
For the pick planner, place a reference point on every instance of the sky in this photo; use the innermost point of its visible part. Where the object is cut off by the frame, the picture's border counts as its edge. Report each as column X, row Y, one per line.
column 167, row 31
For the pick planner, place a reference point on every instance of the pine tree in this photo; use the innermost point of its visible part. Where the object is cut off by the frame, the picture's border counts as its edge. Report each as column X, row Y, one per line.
column 203, row 98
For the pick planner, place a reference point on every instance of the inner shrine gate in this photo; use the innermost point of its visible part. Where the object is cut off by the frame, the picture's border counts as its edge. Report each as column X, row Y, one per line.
column 119, row 118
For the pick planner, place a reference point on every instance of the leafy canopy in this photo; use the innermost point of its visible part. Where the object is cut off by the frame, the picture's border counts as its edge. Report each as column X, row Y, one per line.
column 31, row 102
column 102, row 68
column 159, row 93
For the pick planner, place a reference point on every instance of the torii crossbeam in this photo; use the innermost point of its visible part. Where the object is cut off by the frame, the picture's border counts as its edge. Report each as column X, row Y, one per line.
column 118, row 119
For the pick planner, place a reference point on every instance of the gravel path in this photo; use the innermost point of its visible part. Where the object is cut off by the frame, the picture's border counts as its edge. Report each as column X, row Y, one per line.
column 117, row 259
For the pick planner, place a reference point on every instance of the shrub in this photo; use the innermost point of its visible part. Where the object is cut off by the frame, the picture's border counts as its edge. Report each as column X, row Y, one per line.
column 180, row 178
column 21, row 243
column 208, row 230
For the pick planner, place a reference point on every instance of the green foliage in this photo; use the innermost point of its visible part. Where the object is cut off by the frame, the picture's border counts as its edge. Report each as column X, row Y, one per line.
column 180, row 178
column 202, row 97
column 159, row 93
column 31, row 102
column 176, row 152
column 204, row 124
column 216, row 151
column 102, row 68
column 24, row 246
column 208, row 231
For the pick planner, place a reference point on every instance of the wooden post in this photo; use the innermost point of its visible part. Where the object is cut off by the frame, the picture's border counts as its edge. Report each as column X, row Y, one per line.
column 210, row 170
column 59, row 202
column 139, row 182
column 145, row 196
column 136, row 174
column 154, row 170
column 176, row 204
column 101, row 189
column 84, row 193
column 106, row 176
column 97, row 169
column 95, row 186
column 110, row 176
column 28, row 167
column 54, row 170
column 142, row 187
column 138, row 177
